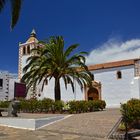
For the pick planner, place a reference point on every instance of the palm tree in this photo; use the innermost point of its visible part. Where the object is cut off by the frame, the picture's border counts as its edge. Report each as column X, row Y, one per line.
column 15, row 10
column 52, row 61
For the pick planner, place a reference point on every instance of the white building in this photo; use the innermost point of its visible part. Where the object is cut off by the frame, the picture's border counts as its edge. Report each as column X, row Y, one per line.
column 114, row 82
column 119, row 80
column 7, row 81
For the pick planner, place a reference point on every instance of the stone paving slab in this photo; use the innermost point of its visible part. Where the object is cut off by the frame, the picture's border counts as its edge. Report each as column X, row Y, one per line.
column 96, row 124
column 86, row 126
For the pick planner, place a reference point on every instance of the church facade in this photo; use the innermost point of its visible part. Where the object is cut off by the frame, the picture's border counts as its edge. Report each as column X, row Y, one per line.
column 119, row 80
column 114, row 82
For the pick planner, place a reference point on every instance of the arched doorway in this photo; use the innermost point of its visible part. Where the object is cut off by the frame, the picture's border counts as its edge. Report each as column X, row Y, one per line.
column 93, row 94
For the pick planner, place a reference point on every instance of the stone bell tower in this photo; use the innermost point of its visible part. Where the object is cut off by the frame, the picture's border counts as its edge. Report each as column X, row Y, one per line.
column 24, row 54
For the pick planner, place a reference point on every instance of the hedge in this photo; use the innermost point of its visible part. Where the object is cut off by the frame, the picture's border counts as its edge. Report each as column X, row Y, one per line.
column 86, row 106
column 50, row 106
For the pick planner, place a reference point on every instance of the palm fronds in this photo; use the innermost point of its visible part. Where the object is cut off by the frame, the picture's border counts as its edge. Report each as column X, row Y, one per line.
column 53, row 61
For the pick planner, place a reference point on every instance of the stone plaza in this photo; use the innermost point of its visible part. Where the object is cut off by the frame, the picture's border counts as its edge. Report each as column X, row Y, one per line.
column 85, row 126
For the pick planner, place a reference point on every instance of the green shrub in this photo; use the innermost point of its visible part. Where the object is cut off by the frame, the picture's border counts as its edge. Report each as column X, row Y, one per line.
column 32, row 105
column 24, row 105
column 85, row 106
column 40, row 106
column 102, row 104
column 73, row 106
column 58, row 106
column 47, row 104
column 96, row 105
column 91, row 106
column 131, row 112
column 4, row 104
column 78, row 106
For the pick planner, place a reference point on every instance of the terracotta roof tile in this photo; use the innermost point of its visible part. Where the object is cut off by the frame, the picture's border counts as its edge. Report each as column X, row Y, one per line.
column 112, row 64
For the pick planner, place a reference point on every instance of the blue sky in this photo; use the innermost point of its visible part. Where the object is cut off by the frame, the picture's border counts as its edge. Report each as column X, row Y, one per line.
column 97, row 25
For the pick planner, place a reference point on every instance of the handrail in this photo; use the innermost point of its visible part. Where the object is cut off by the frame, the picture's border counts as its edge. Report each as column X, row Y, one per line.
column 114, row 127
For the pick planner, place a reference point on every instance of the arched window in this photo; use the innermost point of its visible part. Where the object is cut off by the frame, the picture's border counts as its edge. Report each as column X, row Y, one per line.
column 24, row 50
column 28, row 49
column 119, row 75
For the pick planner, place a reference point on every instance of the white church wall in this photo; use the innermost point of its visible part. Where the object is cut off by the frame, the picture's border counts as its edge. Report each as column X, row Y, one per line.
column 48, row 91
column 66, row 94
column 23, row 64
column 115, row 91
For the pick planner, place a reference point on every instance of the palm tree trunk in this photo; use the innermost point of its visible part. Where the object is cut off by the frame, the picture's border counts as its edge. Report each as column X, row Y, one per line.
column 57, row 91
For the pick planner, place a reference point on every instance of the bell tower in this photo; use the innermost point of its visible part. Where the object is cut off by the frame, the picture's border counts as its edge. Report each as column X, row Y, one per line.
column 25, row 52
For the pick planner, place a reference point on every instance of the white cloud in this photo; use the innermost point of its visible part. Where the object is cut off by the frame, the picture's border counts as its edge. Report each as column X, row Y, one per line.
column 114, row 50
column 14, row 75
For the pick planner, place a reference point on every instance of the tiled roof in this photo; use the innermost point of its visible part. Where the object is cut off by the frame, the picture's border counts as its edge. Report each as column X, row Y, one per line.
column 112, row 64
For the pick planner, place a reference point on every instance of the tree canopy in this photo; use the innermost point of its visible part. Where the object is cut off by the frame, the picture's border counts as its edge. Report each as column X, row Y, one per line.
column 15, row 10
column 51, row 60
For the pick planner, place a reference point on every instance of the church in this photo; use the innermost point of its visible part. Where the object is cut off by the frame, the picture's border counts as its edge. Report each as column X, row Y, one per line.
column 115, row 82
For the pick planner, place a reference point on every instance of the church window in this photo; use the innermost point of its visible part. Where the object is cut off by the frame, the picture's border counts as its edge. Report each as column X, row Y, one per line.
column 1, row 83
column 28, row 49
column 119, row 75
column 24, row 50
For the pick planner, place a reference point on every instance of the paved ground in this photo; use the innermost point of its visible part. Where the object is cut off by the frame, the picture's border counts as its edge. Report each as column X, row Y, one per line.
column 86, row 126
